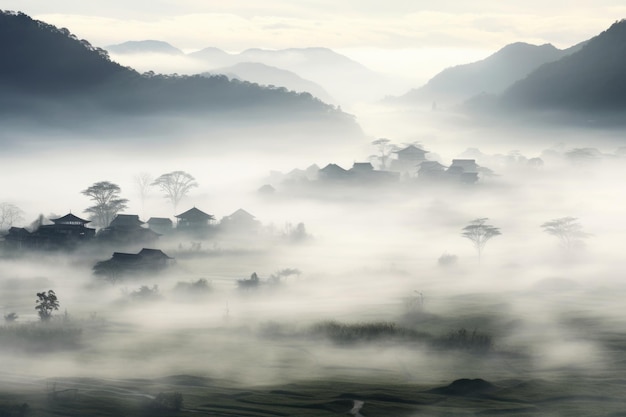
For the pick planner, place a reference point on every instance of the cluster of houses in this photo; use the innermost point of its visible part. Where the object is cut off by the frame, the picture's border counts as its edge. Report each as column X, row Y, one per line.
column 409, row 163
column 70, row 231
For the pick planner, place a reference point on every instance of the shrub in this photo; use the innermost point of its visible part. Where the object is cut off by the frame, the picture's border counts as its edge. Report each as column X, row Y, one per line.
column 447, row 260
column 247, row 284
column 11, row 317
column 200, row 286
column 146, row 293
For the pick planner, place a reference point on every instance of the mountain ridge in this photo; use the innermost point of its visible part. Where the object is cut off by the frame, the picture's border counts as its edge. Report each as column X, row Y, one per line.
column 591, row 79
column 48, row 73
column 491, row 75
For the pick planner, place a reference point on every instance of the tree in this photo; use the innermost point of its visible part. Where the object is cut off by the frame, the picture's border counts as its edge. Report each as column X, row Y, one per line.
column 384, row 149
column 175, row 185
column 143, row 181
column 46, row 304
column 106, row 195
column 479, row 233
column 568, row 230
column 9, row 214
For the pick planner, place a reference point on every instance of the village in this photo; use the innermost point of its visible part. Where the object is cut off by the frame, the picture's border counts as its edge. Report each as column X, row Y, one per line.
column 394, row 165
column 135, row 244
column 71, row 233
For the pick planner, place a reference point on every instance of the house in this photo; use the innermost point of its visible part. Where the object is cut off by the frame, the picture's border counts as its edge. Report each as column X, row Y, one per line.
column 128, row 229
column 266, row 189
column 362, row 168
column 194, row 219
column 240, row 221
column 364, row 172
column 66, row 231
column 17, row 238
column 333, row 172
column 161, row 225
column 463, row 170
column 126, row 221
column 431, row 170
column 408, row 159
column 147, row 260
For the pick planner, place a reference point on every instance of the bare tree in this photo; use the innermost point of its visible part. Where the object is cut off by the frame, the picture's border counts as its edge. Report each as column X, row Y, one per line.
column 108, row 203
column 175, row 185
column 479, row 233
column 143, row 181
column 9, row 215
column 568, row 230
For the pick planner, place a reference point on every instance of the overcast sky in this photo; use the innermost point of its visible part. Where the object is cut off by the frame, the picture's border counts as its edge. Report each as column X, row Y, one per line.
column 465, row 29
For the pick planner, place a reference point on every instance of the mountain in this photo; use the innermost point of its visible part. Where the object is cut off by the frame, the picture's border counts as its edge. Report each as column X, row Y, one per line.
column 144, row 47
column 215, row 57
column 341, row 76
column 592, row 80
column 48, row 74
column 273, row 77
column 491, row 75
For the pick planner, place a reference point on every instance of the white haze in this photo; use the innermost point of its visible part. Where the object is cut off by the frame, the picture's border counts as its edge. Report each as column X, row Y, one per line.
column 371, row 249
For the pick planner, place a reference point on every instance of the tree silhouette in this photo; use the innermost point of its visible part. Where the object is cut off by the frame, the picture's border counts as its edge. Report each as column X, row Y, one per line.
column 143, row 181
column 384, row 149
column 9, row 214
column 45, row 304
column 479, row 233
column 106, row 195
column 567, row 229
column 175, row 185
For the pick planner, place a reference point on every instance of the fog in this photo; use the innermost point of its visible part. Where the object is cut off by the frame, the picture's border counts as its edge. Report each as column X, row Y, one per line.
column 326, row 252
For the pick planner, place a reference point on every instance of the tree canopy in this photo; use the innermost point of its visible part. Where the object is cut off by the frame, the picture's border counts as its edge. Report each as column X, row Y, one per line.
column 567, row 229
column 108, row 203
column 175, row 185
column 479, row 233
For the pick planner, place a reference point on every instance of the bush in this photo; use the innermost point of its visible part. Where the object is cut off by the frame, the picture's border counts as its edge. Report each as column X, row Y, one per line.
column 200, row 286
column 11, row 317
column 145, row 293
column 447, row 260
column 248, row 284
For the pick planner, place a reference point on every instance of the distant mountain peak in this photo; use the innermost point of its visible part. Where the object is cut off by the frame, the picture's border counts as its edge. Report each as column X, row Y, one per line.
column 144, row 46
column 491, row 75
column 591, row 79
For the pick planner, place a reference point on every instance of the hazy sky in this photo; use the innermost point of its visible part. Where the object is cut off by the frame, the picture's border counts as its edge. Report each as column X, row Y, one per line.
column 420, row 32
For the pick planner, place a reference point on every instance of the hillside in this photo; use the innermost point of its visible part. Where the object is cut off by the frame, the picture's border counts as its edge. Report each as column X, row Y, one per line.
column 491, row 75
column 590, row 80
column 342, row 77
column 47, row 73
column 272, row 76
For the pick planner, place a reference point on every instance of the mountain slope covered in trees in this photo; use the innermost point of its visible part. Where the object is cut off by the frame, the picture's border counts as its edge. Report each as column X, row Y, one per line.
column 491, row 75
column 46, row 72
column 590, row 80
